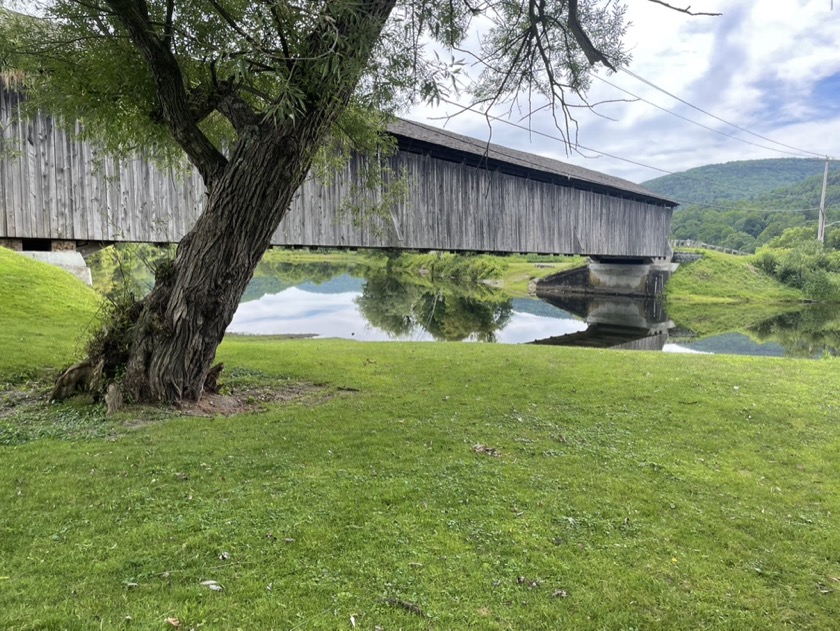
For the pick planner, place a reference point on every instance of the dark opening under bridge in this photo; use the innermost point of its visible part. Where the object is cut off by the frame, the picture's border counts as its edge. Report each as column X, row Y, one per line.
column 462, row 195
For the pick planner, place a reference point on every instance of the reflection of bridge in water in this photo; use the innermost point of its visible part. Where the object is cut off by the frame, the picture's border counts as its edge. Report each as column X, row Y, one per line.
column 615, row 322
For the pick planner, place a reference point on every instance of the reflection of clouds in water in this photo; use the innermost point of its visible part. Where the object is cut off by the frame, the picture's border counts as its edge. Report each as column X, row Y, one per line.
column 295, row 311
column 526, row 327
column 676, row 348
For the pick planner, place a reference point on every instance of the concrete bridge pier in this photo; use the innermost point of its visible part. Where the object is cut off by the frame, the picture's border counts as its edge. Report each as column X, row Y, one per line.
column 641, row 277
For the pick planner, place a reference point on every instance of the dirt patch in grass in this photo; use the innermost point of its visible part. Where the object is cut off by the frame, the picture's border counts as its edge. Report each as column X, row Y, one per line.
column 26, row 414
column 248, row 400
column 15, row 397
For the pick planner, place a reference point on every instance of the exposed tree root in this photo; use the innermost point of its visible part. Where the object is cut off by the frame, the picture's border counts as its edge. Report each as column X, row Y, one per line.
column 79, row 378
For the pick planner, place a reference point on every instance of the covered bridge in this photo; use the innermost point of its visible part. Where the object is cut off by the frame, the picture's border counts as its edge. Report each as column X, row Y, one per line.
column 462, row 194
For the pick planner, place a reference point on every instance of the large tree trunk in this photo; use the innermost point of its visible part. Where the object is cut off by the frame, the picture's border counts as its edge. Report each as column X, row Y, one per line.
column 182, row 321
column 184, row 318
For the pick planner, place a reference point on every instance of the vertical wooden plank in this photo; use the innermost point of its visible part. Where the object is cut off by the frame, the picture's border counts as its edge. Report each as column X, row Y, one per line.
column 5, row 160
column 52, row 225
column 16, row 174
column 60, row 183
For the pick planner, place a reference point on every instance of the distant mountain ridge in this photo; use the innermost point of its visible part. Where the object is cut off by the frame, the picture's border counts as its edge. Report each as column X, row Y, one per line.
column 738, row 180
column 743, row 205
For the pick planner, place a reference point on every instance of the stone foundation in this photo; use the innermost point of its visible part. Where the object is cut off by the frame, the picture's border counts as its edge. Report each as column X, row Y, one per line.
column 63, row 246
column 610, row 279
column 12, row 244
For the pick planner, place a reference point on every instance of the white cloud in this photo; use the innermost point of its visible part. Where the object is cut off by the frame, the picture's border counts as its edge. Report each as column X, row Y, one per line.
column 757, row 65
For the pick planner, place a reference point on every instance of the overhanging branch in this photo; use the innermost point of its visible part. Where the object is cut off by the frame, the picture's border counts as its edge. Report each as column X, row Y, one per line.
column 169, row 88
column 592, row 54
column 685, row 10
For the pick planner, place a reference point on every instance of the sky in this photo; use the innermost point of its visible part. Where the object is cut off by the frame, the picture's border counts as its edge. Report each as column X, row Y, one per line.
column 772, row 68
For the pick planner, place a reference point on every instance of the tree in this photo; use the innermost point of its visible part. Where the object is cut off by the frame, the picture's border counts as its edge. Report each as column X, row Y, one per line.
column 250, row 90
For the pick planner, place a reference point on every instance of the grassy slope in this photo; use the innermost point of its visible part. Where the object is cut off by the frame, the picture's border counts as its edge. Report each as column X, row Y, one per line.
column 634, row 489
column 725, row 278
column 723, row 293
column 519, row 272
column 43, row 312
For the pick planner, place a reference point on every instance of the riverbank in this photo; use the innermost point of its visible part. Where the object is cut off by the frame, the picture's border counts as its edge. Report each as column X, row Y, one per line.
column 719, row 278
column 515, row 274
column 428, row 486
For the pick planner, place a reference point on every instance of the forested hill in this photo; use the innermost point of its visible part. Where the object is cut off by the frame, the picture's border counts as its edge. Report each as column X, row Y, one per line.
column 745, row 224
column 735, row 180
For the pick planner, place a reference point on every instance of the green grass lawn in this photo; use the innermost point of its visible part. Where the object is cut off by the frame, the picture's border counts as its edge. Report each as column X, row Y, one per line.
column 520, row 271
column 611, row 490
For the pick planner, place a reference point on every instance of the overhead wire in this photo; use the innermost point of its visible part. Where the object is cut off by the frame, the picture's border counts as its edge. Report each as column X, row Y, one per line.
column 630, row 73
column 800, row 152
column 698, row 124
column 609, row 155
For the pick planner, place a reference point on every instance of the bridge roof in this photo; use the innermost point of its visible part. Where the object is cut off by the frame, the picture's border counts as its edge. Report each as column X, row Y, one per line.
column 443, row 144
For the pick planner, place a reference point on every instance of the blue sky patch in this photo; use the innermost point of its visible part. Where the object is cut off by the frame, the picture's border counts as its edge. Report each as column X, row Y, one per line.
column 825, row 96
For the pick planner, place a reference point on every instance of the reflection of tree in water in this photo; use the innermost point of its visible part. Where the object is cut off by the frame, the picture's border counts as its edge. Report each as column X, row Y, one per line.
column 399, row 303
column 805, row 333
column 387, row 302
column 272, row 277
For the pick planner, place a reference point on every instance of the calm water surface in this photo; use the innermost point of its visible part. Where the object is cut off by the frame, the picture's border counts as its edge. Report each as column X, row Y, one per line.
column 332, row 309
column 371, row 300
column 386, row 308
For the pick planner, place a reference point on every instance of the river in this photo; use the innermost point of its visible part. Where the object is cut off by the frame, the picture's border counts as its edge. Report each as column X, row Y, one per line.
column 373, row 297
column 374, row 305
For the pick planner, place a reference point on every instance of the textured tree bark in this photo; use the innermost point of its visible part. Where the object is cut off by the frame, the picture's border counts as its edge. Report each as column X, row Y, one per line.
column 185, row 316
column 183, row 320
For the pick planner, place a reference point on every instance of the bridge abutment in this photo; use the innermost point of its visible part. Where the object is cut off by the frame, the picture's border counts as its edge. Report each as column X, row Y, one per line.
column 12, row 244
column 642, row 278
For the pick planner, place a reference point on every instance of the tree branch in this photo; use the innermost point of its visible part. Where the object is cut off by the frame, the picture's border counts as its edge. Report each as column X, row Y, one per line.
column 686, row 10
column 281, row 33
column 167, row 25
column 227, row 17
column 592, row 54
column 238, row 111
column 169, row 87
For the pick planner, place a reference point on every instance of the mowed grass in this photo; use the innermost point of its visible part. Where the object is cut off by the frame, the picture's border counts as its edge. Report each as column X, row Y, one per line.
column 521, row 271
column 726, row 278
column 632, row 490
column 43, row 313
column 441, row 486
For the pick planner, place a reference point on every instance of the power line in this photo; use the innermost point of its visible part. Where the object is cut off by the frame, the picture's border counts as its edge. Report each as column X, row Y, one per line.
column 699, row 109
column 693, row 122
column 712, row 129
column 609, row 155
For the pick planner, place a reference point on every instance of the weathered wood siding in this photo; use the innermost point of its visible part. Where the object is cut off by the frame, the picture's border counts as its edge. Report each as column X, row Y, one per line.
column 454, row 206
column 53, row 186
